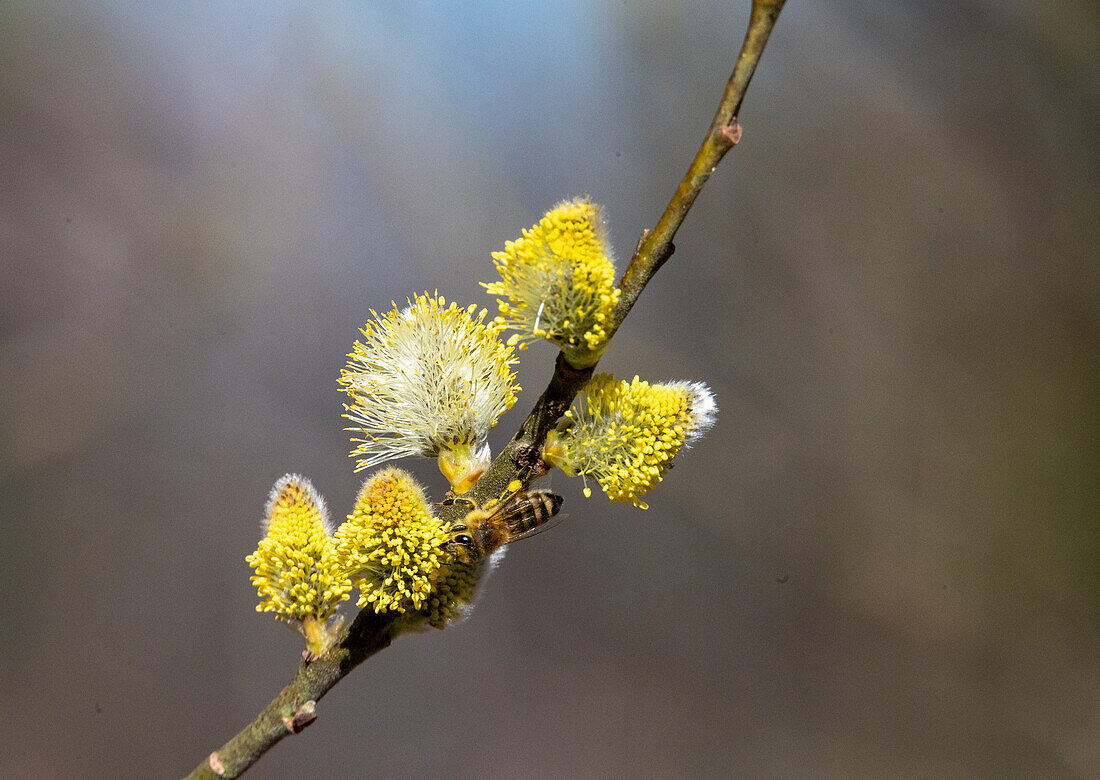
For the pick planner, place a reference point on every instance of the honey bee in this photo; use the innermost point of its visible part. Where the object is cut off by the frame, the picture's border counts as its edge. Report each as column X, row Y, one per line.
column 483, row 531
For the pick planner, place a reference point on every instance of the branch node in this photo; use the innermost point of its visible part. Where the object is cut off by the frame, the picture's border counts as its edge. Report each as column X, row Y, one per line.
column 216, row 764
column 732, row 131
column 305, row 715
column 571, row 374
column 665, row 254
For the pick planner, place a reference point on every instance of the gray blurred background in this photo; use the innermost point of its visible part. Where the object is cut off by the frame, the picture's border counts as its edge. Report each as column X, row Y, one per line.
column 883, row 562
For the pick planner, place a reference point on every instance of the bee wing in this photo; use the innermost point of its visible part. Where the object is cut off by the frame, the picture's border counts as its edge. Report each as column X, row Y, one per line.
column 538, row 529
column 555, row 502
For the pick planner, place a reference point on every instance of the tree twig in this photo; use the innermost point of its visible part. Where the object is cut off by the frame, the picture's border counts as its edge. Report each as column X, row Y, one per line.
column 294, row 707
column 724, row 132
column 654, row 248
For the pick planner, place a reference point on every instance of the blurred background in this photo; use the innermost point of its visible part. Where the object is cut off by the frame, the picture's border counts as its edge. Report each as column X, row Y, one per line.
column 885, row 559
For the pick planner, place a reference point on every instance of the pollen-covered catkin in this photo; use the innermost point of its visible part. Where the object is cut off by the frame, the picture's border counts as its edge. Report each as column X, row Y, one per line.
column 392, row 544
column 430, row 379
column 557, row 282
column 625, row 434
column 298, row 574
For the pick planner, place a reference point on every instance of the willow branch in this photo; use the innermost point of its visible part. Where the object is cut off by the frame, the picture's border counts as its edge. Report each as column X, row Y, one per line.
column 520, row 459
column 294, row 708
column 724, row 132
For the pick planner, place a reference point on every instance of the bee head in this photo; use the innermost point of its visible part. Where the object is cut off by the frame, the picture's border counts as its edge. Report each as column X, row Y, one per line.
column 460, row 535
column 461, row 542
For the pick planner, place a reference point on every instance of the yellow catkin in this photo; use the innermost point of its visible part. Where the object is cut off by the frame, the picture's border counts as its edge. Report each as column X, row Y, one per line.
column 430, row 379
column 391, row 544
column 625, row 434
column 297, row 574
column 557, row 282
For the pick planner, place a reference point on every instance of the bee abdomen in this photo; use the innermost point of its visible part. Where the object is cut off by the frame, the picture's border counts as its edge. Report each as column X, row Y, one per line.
column 533, row 510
